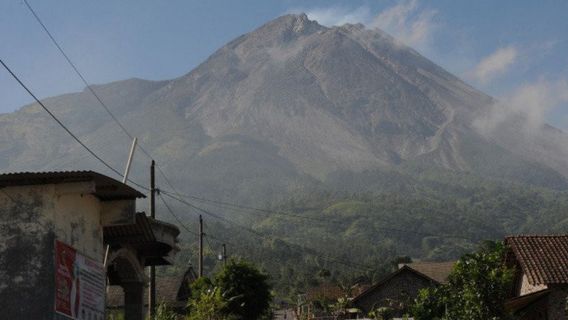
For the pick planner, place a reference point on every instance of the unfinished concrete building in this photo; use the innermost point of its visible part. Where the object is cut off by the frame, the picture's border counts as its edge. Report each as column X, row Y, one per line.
column 56, row 228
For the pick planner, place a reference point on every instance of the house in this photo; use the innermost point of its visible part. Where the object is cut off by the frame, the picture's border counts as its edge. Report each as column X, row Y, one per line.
column 400, row 288
column 314, row 302
column 63, row 234
column 541, row 276
column 171, row 290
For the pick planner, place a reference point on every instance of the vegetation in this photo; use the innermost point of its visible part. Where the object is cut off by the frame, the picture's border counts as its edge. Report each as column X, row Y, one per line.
column 477, row 289
column 238, row 291
column 209, row 305
column 339, row 237
column 165, row 313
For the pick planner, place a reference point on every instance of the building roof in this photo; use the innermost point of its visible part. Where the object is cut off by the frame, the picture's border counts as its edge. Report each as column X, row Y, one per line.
column 519, row 303
column 106, row 188
column 324, row 291
column 438, row 271
column 542, row 258
column 398, row 272
column 152, row 238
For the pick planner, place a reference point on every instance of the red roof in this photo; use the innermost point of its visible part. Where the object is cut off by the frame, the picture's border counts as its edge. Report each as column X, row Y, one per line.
column 542, row 258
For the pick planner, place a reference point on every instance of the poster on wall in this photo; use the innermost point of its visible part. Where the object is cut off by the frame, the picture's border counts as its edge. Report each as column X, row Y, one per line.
column 79, row 284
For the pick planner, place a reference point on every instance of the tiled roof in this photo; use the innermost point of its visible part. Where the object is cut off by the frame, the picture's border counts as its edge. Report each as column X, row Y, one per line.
column 325, row 291
column 438, row 271
column 544, row 259
column 403, row 269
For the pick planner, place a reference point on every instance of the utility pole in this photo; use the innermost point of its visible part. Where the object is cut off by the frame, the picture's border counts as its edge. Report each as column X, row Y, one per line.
column 152, row 287
column 200, row 246
column 224, row 255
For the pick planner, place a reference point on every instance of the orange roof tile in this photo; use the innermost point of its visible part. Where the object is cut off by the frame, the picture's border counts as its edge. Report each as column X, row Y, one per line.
column 543, row 258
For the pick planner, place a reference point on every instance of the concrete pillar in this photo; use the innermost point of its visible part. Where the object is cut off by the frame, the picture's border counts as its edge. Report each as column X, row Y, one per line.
column 133, row 300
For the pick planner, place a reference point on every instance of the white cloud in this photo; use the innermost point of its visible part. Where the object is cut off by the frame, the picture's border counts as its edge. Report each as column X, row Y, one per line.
column 337, row 16
column 531, row 103
column 494, row 65
column 408, row 23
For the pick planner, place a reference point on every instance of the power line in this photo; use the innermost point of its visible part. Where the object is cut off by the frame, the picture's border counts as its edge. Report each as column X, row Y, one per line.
column 175, row 216
column 263, row 236
column 101, row 160
column 58, row 121
column 80, row 75
column 118, row 173
column 107, row 109
column 319, row 220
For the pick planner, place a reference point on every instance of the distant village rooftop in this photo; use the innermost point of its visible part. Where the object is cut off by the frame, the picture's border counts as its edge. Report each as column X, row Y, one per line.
column 438, row 271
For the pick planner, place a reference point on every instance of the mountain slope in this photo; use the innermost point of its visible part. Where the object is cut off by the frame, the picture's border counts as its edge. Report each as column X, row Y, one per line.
column 286, row 107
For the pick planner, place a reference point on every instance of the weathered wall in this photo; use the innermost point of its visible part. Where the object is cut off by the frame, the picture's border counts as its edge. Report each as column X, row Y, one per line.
column 26, row 256
column 31, row 218
column 77, row 220
column 527, row 288
column 403, row 287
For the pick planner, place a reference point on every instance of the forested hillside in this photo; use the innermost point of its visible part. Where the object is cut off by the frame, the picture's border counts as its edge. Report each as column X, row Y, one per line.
column 432, row 216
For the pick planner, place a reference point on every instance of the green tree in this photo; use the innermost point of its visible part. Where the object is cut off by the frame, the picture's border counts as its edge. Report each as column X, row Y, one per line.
column 477, row 289
column 246, row 290
column 209, row 305
column 199, row 286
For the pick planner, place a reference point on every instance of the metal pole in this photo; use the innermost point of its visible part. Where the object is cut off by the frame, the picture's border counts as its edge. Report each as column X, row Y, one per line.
column 200, row 246
column 129, row 162
column 224, row 255
column 152, row 286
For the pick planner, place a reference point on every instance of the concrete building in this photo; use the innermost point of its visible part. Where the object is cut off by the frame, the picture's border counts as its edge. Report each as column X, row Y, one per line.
column 55, row 228
column 172, row 290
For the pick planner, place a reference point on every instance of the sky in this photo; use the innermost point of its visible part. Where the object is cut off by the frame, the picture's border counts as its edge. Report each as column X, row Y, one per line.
column 514, row 50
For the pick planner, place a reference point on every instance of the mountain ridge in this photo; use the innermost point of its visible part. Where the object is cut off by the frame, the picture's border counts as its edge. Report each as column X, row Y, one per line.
column 280, row 108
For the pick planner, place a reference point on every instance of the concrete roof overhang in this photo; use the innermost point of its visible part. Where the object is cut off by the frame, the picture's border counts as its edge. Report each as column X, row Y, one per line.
column 154, row 240
column 106, row 188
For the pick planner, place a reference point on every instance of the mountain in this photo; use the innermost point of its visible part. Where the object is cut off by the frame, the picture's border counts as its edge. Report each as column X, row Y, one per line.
column 291, row 106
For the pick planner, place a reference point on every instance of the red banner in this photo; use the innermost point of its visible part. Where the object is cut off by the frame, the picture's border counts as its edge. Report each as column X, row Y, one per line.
column 79, row 284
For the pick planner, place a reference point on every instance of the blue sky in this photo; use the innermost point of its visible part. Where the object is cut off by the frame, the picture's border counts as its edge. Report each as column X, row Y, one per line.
column 515, row 50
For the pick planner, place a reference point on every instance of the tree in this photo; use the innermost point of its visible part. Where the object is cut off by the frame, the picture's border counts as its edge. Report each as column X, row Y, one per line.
column 476, row 290
column 199, row 286
column 246, row 290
